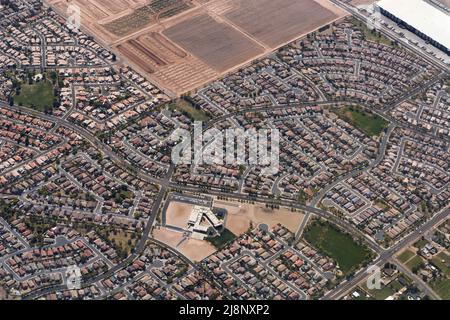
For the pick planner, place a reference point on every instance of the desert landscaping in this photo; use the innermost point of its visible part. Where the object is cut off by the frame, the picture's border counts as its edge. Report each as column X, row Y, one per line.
column 240, row 216
column 178, row 213
column 193, row 249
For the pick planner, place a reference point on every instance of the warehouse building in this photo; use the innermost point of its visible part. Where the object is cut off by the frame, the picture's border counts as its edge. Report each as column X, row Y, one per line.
column 422, row 18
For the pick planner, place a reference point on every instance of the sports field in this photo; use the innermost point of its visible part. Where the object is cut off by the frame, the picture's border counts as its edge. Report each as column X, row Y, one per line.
column 193, row 249
column 369, row 123
column 337, row 245
column 242, row 216
column 37, row 96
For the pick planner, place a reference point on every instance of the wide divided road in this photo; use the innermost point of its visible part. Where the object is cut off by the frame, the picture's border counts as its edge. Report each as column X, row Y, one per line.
column 388, row 254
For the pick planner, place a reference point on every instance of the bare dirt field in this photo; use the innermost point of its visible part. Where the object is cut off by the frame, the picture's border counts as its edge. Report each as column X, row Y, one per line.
column 92, row 9
column 129, row 23
column 183, row 44
column 445, row 2
column 113, row 6
column 178, row 213
column 216, row 43
column 193, row 249
column 277, row 22
column 2, row 293
column 241, row 216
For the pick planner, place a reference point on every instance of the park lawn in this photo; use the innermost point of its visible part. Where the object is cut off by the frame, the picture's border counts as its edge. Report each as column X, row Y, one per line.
column 406, row 255
column 189, row 110
column 414, row 262
column 443, row 266
column 36, row 96
column 442, row 287
column 337, row 245
column 225, row 238
column 371, row 124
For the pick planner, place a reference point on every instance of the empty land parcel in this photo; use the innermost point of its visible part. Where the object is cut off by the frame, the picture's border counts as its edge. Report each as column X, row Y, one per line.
column 217, row 44
column 277, row 22
column 183, row 44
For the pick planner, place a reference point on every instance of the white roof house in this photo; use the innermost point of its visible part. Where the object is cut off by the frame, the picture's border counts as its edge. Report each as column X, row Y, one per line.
column 423, row 16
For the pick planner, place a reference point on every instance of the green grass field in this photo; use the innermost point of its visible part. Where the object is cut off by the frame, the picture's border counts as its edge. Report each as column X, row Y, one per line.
column 36, row 96
column 371, row 124
column 190, row 111
column 337, row 245
column 405, row 256
column 225, row 238
column 442, row 287
column 442, row 261
column 414, row 262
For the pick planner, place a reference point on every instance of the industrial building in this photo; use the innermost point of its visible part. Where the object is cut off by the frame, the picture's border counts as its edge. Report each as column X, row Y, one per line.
column 421, row 17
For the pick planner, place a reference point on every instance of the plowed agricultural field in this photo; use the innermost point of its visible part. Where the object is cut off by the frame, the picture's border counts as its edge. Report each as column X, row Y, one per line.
column 181, row 45
column 217, row 44
column 277, row 22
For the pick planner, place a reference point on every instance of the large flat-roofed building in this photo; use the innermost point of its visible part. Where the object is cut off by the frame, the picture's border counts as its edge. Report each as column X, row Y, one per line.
column 421, row 17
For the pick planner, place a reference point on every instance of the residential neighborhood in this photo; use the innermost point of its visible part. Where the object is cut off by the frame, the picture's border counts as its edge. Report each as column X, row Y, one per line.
column 94, row 205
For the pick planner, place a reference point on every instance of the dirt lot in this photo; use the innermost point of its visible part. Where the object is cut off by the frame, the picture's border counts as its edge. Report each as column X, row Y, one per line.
column 195, row 250
column 182, row 44
column 178, row 213
column 445, row 2
column 217, row 44
column 3, row 295
column 277, row 22
column 241, row 215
